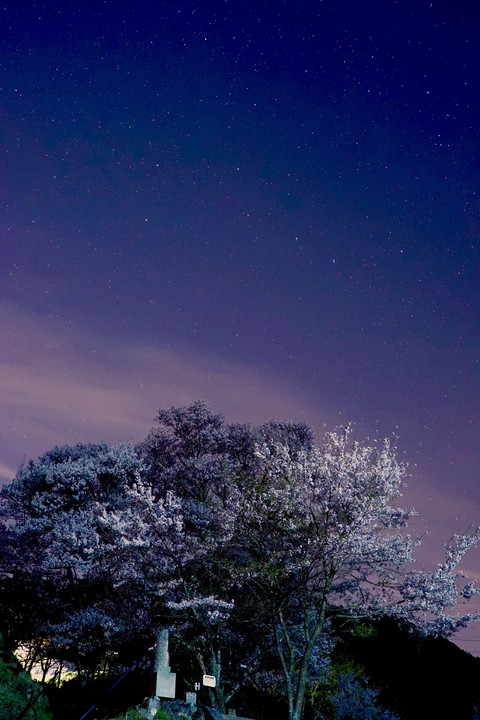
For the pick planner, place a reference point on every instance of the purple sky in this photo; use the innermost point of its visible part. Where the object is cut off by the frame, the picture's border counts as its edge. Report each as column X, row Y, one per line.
column 271, row 207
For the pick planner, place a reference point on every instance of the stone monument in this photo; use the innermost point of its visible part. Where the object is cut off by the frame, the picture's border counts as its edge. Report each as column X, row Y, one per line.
column 166, row 680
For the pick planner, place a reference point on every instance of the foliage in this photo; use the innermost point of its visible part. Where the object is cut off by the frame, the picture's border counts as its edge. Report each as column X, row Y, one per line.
column 185, row 451
column 162, row 714
column 132, row 714
column 20, row 696
column 363, row 630
column 137, row 714
column 354, row 699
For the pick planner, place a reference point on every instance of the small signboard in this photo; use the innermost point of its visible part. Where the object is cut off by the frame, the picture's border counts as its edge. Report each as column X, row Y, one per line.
column 191, row 698
column 209, row 680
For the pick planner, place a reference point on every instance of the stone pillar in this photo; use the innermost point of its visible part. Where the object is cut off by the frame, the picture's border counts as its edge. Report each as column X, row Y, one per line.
column 165, row 678
column 162, row 661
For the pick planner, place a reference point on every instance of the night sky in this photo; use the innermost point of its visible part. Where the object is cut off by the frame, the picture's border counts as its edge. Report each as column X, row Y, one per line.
column 272, row 206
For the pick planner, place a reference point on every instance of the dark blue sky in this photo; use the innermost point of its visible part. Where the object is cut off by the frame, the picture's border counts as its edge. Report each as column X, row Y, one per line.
column 271, row 206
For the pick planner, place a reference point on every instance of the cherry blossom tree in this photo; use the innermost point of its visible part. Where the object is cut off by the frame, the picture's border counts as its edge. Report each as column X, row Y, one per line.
column 65, row 547
column 235, row 536
column 319, row 535
column 189, row 453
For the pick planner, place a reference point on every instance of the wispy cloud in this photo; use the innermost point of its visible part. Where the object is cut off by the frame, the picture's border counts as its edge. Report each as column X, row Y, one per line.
column 6, row 472
column 62, row 386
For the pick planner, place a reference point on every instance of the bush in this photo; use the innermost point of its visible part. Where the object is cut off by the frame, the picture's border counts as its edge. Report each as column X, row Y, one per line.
column 162, row 714
column 20, row 696
column 355, row 700
column 132, row 714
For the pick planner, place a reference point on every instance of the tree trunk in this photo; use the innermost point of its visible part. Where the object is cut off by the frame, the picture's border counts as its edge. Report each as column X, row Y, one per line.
column 216, row 694
column 216, row 662
column 296, row 677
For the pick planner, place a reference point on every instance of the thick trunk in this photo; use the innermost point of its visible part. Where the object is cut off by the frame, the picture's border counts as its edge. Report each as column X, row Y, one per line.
column 219, row 699
column 215, row 695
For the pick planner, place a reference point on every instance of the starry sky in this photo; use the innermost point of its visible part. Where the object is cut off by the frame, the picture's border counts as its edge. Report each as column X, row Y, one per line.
column 272, row 206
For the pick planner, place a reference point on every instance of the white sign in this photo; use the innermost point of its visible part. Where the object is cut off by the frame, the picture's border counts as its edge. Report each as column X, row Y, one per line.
column 209, row 680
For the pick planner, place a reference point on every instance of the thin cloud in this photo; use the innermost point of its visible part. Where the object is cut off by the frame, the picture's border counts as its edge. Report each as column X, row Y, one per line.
column 7, row 473
column 65, row 386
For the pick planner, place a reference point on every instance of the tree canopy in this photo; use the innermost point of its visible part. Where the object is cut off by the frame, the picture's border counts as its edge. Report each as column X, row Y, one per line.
column 252, row 543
